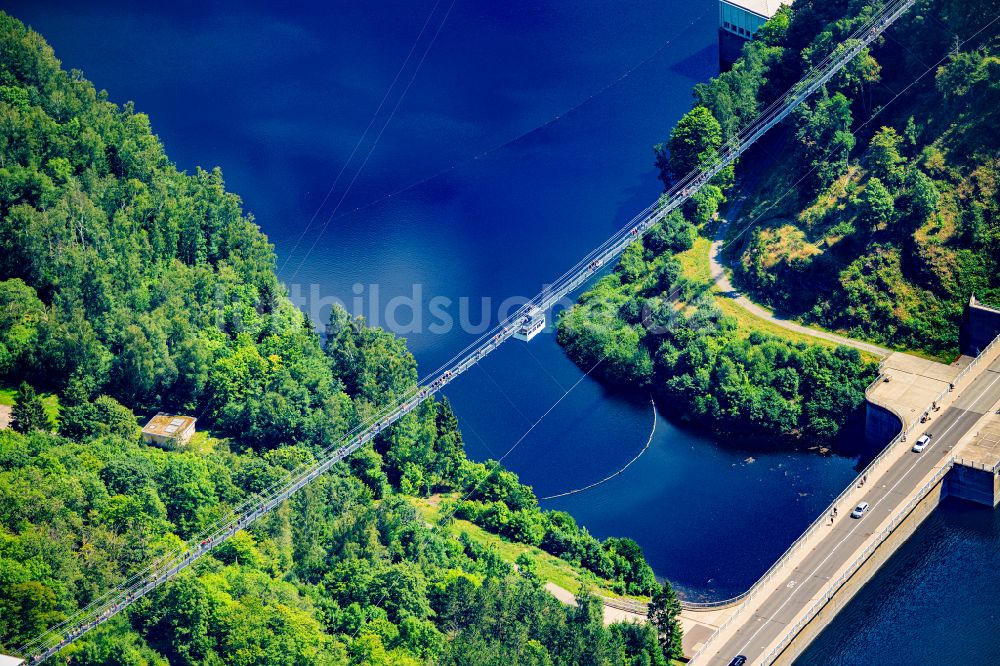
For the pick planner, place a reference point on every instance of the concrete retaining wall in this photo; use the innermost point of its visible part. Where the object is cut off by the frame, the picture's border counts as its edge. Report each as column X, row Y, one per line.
column 881, row 425
column 980, row 324
column 975, row 485
column 968, row 483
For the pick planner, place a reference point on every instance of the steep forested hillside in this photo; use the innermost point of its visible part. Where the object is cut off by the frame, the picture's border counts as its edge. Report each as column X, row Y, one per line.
column 881, row 217
column 127, row 287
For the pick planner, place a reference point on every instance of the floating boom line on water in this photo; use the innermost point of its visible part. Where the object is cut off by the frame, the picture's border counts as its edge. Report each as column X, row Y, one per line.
column 577, row 491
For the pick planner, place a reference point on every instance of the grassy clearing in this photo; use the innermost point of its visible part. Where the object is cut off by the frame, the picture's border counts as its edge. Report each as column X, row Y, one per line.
column 792, row 229
column 749, row 322
column 549, row 568
column 695, row 266
column 49, row 400
column 694, row 261
column 785, row 244
column 203, row 442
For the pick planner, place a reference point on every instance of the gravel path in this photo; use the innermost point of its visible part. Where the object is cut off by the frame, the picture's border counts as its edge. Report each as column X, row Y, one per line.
column 727, row 290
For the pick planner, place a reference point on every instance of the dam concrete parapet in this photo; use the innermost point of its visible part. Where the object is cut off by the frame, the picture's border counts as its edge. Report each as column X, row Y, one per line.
column 980, row 324
column 976, row 475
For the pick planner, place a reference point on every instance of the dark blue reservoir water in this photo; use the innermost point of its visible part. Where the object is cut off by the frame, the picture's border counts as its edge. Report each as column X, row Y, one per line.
column 411, row 159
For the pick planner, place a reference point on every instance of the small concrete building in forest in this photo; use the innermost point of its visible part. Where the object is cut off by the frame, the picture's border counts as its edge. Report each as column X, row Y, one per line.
column 739, row 21
column 169, row 430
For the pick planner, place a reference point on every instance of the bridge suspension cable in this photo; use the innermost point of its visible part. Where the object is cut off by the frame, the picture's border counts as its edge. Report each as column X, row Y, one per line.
column 256, row 506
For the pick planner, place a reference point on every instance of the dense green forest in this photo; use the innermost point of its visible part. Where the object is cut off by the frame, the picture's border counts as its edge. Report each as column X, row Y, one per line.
column 881, row 217
column 128, row 287
column 336, row 576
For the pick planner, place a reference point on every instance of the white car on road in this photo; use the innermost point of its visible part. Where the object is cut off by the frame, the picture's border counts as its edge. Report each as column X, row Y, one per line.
column 921, row 443
column 859, row 510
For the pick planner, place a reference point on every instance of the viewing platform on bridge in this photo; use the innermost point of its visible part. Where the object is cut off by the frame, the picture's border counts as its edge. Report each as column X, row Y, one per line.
column 906, row 387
